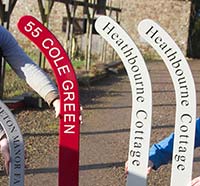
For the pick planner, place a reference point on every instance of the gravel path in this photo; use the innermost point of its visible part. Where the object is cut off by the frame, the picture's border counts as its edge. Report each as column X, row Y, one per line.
column 105, row 132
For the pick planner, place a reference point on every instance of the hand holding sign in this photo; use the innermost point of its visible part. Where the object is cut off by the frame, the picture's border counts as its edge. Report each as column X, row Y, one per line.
column 56, row 105
column 4, row 148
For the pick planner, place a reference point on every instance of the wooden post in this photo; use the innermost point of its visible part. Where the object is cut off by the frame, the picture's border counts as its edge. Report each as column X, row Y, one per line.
column 67, row 43
column 71, row 34
column 71, row 14
column 87, row 14
column 91, row 20
column 45, row 8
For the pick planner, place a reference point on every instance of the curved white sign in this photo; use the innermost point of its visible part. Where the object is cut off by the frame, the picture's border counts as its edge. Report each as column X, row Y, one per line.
column 182, row 78
column 141, row 97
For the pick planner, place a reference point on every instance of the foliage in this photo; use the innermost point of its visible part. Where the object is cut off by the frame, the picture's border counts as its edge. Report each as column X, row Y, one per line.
column 78, row 64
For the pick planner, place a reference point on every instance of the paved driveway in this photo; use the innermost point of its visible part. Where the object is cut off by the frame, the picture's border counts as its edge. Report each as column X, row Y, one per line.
column 105, row 132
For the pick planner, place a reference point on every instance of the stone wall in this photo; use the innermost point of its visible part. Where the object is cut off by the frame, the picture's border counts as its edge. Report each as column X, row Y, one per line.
column 172, row 15
column 29, row 7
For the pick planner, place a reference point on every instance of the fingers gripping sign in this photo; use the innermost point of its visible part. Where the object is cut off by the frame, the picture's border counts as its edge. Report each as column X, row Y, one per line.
column 69, row 97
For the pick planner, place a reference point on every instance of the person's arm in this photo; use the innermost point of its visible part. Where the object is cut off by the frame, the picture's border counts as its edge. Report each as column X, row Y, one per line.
column 25, row 68
column 34, row 76
column 197, row 133
column 161, row 153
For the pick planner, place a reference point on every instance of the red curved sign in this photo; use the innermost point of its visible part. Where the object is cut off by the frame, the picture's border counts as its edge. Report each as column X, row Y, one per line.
column 69, row 97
